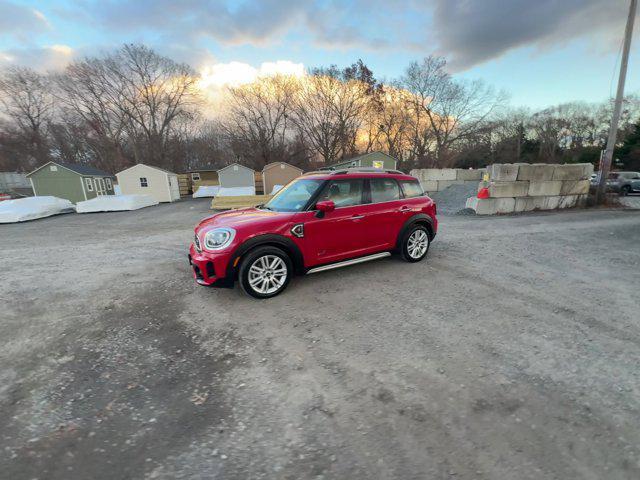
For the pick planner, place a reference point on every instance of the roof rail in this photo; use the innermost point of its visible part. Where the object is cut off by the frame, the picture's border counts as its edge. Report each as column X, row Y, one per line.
column 367, row 170
column 353, row 170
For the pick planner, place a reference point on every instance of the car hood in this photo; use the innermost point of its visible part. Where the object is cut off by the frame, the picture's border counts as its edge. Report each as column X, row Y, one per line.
column 243, row 218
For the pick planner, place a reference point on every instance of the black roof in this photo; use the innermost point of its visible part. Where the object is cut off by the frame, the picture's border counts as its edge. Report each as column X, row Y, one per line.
column 85, row 170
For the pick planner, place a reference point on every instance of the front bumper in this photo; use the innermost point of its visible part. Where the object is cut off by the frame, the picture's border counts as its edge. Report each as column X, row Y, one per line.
column 210, row 269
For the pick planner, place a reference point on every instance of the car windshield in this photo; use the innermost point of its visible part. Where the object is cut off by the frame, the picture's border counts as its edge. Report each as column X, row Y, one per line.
column 613, row 176
column 294, row 196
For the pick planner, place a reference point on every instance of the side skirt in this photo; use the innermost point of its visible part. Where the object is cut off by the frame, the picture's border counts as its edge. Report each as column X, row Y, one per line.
column 346, row 263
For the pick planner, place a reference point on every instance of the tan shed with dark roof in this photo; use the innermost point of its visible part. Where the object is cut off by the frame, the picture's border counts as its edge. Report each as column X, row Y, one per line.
column 278, row 173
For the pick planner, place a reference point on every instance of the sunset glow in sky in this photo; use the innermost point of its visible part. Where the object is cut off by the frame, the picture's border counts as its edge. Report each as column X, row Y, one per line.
column 542, row 52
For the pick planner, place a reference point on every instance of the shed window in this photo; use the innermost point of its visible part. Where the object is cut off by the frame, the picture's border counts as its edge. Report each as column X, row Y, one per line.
column 109, row 184
column 53, row 168
column 143, row 182
column 195, row 176
column 235, row 168
column 89, row 184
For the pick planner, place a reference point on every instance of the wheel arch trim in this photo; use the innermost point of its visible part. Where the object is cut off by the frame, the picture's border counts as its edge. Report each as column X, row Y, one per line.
column 269, row 239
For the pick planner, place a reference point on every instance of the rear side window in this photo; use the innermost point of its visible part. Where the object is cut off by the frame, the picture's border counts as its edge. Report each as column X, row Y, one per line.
column 411, row 188
column 384, row 190
column 344, row 193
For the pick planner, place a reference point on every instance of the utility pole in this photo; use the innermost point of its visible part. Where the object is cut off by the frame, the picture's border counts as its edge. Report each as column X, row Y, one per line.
column 605, row 165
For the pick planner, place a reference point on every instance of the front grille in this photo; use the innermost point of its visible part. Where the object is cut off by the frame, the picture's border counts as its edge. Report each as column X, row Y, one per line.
column 196, row 242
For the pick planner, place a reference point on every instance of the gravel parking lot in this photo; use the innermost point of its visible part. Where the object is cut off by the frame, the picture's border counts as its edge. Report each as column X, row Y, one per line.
column 512, row 353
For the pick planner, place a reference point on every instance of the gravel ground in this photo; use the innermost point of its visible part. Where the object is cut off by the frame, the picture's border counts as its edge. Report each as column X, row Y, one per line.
column 452, row 200
column 513, row 352
column 631, row 201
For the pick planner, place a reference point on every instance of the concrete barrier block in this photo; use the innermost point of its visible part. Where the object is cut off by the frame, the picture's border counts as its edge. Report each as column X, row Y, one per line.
column 538, row 172
column 544, row 189
column 468, row 174
column 575, row 187
column 508, row 189
column 568, row 201
column 575, row 171
column 442, row 184
column 504, row 172
column 528, row 204
column 491, row 206
column 429, row 185
column 439, row 173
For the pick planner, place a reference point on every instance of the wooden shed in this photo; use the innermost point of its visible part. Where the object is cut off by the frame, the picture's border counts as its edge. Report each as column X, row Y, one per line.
column 203, row 176
column 141, row 179
column 71, row 181
column 236, row 175
column 278, row 173
column 372, row 160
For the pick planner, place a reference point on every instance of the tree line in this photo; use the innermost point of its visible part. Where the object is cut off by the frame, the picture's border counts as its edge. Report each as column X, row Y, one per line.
column 133, row 105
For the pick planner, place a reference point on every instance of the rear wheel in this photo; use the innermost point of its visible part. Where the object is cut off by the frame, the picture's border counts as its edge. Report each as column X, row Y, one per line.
column 626, row 190
column 265, row 272
column 415, row 243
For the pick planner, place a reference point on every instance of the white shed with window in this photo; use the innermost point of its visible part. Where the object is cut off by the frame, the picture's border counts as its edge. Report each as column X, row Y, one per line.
column 156, row 182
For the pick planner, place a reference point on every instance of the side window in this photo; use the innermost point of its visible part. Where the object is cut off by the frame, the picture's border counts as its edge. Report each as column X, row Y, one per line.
column 109, row 184
column 143, row 182
column 344, row 193
column 411, row 188
column 384, row 190
column 89, row 184
column 195, row 176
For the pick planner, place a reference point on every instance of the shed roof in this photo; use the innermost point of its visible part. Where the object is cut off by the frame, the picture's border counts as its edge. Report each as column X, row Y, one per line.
column 273, row 164
column 232, row 164
column 148, row 166
column 360, row 157
column 77, row 168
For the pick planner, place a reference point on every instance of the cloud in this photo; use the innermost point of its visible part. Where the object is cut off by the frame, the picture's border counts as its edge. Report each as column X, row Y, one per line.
column 231, row 23
column 52, row 57
column 238, row 73
column 21, row 22
column 472, row 32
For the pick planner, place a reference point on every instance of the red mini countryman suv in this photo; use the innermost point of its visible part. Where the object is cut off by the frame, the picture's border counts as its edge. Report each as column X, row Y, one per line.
column 319, row 221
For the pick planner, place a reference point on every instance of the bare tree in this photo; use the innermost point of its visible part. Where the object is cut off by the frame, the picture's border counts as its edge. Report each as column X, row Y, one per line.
column 257, row 120
column 328, row 114
column 446, row 111
column 155, row 94
column 27, row 108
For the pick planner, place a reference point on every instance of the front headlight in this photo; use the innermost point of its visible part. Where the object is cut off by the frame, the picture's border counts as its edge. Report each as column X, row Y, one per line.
column 218, row 238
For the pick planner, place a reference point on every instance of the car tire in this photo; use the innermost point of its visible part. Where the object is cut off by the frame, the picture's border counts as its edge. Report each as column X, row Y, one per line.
column 624, row 191
column 265, row 272
column 415, row 243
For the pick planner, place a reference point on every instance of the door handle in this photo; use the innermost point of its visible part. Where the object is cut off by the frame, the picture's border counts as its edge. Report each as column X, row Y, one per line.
column 405, row 208
column 357, row 217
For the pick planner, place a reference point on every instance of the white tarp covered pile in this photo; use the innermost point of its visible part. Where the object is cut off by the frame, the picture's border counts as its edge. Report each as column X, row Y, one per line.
column 31, row 208
column 235, row 191
column 206, row 191
column 115, row 203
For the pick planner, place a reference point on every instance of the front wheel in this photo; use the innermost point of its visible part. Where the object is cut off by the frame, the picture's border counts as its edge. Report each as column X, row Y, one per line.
column 415, row 244
column 265, row 272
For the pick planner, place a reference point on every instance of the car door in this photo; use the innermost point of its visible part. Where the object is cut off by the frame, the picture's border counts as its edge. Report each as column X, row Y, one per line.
column 339, row 234
column 385, row 214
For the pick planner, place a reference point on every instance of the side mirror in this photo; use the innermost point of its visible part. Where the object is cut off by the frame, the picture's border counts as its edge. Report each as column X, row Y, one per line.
column 323, row 207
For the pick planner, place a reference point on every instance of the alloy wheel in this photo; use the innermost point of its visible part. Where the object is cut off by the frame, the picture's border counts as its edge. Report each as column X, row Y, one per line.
column 417, row 244
column 267, row 274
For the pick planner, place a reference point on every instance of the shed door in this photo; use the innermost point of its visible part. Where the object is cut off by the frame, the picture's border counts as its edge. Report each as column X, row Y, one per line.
column 100, row 187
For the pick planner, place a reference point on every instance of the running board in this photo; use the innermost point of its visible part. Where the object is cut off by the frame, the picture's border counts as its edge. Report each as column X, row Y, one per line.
column 346, row 263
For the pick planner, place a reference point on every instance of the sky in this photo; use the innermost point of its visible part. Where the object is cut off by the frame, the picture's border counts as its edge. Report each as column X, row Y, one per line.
column 541, row 52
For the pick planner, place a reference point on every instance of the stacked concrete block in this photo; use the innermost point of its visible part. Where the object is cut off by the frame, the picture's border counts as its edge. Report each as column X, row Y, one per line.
column 437, row 179
column 518, row 187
